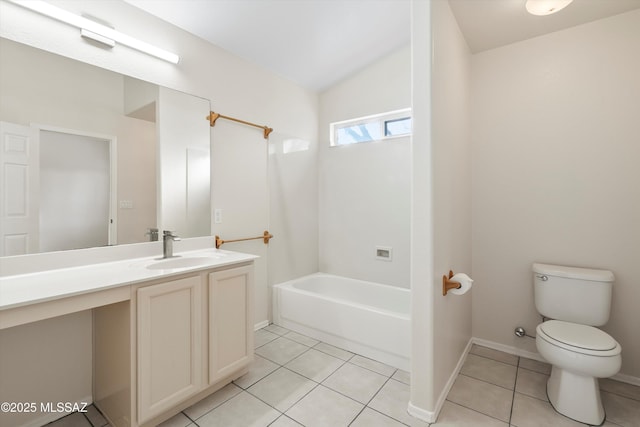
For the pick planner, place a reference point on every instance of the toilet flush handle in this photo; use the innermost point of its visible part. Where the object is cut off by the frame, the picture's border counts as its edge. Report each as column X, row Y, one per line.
column 542, row 277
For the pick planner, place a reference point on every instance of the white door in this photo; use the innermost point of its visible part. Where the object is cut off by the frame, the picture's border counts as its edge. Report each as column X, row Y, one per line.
column 19, row 188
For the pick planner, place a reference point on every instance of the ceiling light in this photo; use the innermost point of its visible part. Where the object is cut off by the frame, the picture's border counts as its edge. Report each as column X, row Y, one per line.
column 88, row 26
column 546, row 7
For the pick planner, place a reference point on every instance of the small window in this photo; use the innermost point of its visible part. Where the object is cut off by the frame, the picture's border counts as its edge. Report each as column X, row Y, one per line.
column 397, row 127
column 371, row 128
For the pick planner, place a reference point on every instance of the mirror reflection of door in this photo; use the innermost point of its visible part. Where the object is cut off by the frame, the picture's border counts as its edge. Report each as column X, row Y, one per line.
column 75, row 191
column 18, row 189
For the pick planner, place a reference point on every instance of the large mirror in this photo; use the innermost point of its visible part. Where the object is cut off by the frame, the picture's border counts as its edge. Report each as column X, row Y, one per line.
column 92, row 158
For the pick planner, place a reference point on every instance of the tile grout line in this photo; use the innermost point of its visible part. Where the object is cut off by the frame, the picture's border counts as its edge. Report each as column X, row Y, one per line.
column 366, row 405
column 322, row 342
column 376, row 394
column 276, row 409
column 519, row 366
column 488, row 382
column 275, row 370
column 620, row 395
column 496, row 385
column 389, row 377
column 476, row 411
column 513, row 395
column 496, row 360
column 194, row 421
column 344, row 362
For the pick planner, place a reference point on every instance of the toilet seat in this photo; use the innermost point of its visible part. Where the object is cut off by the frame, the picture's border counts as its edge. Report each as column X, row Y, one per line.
column 578, row 338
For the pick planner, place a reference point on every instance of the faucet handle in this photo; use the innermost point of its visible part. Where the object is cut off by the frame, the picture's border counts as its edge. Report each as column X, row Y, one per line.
column 169, row 234
column 153, row 234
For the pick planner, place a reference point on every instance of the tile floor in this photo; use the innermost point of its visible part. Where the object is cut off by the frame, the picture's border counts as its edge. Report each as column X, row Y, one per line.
column 299, row 381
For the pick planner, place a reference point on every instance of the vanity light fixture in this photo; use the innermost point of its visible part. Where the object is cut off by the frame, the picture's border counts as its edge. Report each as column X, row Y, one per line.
column 96, row 31
column 546, row 7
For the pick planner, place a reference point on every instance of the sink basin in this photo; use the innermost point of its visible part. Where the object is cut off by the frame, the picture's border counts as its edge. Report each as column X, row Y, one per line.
column 186, row 262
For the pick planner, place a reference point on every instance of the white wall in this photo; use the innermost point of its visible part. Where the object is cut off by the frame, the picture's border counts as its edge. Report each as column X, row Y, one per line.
column 364, row 198
column 422, row 273
column 293, row 201
column 440, row 335
column 241, row 191
column 451, row 191
column 234, row 86
column 555, row 173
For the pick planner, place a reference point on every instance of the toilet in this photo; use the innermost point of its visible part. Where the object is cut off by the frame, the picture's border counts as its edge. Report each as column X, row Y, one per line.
column 576, row 300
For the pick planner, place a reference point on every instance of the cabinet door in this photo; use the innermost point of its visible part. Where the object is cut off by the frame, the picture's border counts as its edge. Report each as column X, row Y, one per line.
column 230, row 321
column 169, row 344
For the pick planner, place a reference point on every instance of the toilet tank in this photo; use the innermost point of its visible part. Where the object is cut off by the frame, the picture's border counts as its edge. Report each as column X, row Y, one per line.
column 578, row 295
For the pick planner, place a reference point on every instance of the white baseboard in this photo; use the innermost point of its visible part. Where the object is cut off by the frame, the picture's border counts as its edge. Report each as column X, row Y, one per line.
column 623, row 378
column 536, row 356
column 260, row 325
column 508, row 349
column 432, row 416
column 421, row 414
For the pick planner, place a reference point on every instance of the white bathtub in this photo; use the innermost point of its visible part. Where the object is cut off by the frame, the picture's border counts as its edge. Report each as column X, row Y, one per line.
column 366, row 318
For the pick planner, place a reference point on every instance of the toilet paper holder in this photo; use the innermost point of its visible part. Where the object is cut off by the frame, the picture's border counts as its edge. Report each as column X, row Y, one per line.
column 458, row 284
column 448, row 284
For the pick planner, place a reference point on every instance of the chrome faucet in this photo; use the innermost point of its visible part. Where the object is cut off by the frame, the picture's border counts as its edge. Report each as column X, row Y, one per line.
column 153, row 234
column 167, row 243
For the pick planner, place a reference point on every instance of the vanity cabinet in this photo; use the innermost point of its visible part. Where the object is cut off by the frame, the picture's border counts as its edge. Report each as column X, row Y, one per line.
column 230, row 333
column 169, row 358
column 185, row 338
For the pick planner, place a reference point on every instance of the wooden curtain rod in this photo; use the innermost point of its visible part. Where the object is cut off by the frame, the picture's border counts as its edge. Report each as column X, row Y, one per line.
column 212, row 117
column 266, row 236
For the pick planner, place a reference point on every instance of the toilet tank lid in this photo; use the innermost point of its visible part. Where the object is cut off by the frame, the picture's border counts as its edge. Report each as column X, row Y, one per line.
column 574, row 272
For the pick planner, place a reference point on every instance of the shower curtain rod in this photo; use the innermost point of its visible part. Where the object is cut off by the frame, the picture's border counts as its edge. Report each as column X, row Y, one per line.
column 212, row 117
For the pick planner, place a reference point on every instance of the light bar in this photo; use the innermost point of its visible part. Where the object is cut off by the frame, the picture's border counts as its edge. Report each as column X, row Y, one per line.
column 96, row 28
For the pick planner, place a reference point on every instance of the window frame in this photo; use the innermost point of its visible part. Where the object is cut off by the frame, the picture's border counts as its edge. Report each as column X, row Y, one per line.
column 382, row 119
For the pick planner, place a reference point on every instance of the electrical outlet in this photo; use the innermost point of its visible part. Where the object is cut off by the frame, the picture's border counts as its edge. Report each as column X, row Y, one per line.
column 383, row 253
column 217, row 216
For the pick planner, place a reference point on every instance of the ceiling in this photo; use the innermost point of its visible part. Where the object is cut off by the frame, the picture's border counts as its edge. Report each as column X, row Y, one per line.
column 317, row 43
column 314, row 43
column 487, row 24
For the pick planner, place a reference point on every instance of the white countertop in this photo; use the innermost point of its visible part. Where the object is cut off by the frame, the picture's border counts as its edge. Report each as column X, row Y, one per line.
column 26, row 289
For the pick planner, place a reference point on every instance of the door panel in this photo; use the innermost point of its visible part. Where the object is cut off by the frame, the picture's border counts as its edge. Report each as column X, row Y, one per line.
column 19, row 188
column 230, row 321
column 169, row 345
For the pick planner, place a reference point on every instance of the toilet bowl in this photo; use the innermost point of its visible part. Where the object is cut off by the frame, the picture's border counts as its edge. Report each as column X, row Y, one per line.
column 579, row 300
column 579, row 355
